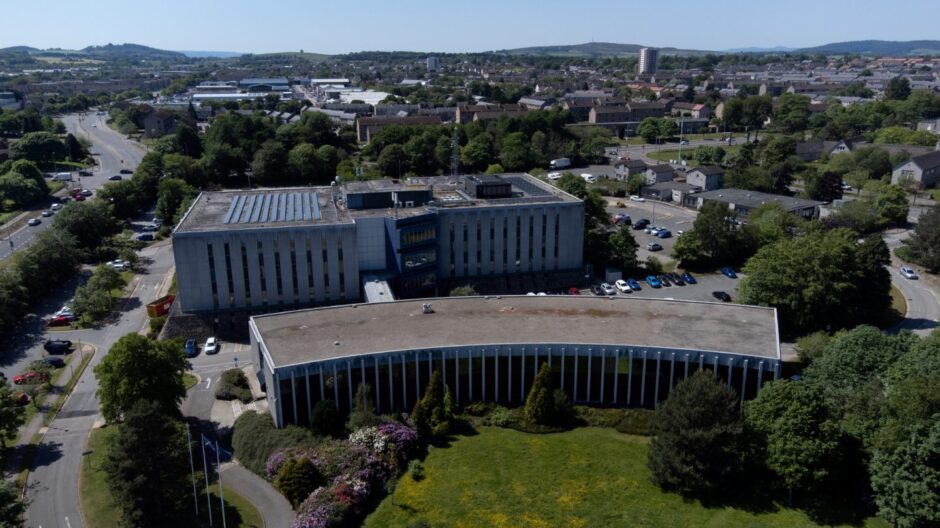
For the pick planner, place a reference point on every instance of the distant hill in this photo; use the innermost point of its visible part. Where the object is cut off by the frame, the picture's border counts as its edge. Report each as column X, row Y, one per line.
column 878, row 47
column 775, row 49
column 211, row 54
column 18, row 49
column 131, row 51
column 593, row 49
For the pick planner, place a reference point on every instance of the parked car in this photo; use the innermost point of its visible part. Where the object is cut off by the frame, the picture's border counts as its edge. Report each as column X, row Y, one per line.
column 652, row 230
column 190, row 348
column 727, row 271
column 653, row 281
column 574, row 291
column 634, row 285
column 34, row 221
column 126, row 171
column 908, row 273
column 721, row 296
column 684, row 142
column 622, row 286
column 688, row 278
column 85, row 173
column 596, row 289
column 151, row 227
column 664, row 233
column 78, row 198
column 211, row 346
column 54, row 362
column 145, row 237
column 116, row 177
column 86, row 192
column 554, row 176
column 637, row 198
column 676, row 278
column 56, row 206
column 120, row 265
column 608, row 289
column 653, row 246
column 60, row 320
column 641, row 223
column 620, row 219
column 57, row 346
column 47, row 213
column 30, row 377
column 664, row 279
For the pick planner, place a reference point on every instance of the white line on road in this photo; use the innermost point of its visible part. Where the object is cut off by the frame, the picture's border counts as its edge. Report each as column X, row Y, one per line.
column 68, row 523
column 208, row 382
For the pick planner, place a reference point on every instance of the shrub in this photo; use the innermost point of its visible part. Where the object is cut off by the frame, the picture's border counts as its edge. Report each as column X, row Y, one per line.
column 297, row 478
column 620, row 193
column 233, row 385
column 540, row 404
column 324, row 419
column 255, row 438
column 479, row 408
column 502, row 417
column 416, row 470
column 363, row 412
column 420, row 523
column 156, row 324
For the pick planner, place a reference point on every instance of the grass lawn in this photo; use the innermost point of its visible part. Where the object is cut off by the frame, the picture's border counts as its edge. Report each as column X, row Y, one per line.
column 189, row 380
column 98, row 508
column 587, row 477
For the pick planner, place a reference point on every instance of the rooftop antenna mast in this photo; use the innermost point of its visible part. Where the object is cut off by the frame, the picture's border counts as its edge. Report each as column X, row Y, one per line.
column 455, row 153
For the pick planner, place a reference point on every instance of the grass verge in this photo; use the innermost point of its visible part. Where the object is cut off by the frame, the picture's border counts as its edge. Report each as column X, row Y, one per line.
column 189, row 380
column 97, row 503
column 581, row 478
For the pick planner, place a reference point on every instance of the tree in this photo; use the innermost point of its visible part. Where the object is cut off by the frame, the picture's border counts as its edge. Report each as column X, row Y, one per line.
column 12, row 505
column 20, row 190
column 363, row 411
column 90, row 222
column 799, row 439
column 39, row 147
column 890, row 204
column 269, row 162
column 824, row 186
column 297, row 478
column 698, row 436
column 792, row 113
column 74, row 149
column 430, row 414
column 812, row 346
column 898, row 89
column 136, row 369
column 172, row 195
column 623, row 248
column 906, row 481
column 463, row 291
column 923, row 246
column 648, row 129
column 11, row 414
column 495, row 168
column 392, row 161
column 105, row 278
column 515, row 154
column 713, row 238
column 539, row 404
column 147, row 467
column 188, row 141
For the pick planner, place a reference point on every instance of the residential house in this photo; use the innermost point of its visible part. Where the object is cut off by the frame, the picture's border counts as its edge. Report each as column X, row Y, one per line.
column 468, row 112
column 536, row 103
column 158, row 122
column 659, row 173
column 669, row 191
column 580, row 110
column 698, row 111
column 706, row 177
column 740, row 202
column 818, row 149
column 609, row 114
column 923, row 169
column 930, row 125
column 623, row 169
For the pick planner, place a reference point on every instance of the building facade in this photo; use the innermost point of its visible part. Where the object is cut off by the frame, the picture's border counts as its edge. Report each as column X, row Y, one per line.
column 490, row 349
column 648, row 59
column 923, row 171
column 274, row 249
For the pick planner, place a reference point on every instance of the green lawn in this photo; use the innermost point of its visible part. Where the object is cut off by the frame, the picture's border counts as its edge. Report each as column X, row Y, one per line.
column 587, row 477
column 96, row 501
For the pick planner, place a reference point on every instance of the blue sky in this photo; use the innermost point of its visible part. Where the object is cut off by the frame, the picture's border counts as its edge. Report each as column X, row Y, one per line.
column 479, row 25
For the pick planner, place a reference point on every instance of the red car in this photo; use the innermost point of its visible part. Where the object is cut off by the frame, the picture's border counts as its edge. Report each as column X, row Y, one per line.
column 60, row 320
column 79, row 198
column 30, row 378
column 574, row 291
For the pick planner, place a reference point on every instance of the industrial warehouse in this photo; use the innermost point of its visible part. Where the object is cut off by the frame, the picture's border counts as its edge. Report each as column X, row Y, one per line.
column 605, row 351
column 269, row 250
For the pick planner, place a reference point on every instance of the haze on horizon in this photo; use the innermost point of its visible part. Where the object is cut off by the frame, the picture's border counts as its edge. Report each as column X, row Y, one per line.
column 484, row 25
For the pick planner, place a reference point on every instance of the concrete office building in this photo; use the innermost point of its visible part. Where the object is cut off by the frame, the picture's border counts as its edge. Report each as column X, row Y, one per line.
column 607, row 351
column 648, row 59
column 272, row 249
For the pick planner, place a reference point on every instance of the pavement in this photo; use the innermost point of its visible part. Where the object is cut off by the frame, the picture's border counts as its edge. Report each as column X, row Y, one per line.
column 274, row 508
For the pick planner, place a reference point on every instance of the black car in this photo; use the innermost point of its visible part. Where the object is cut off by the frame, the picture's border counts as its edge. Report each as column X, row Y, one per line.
column 674, row 277
column 55, row 362
column 86, row 173
column 721, row 296
column 126, row 171
column 640, row 224
column 116, row 177
column 664, row 279
column 58, row 346
column 596, row 290
column 145, row 237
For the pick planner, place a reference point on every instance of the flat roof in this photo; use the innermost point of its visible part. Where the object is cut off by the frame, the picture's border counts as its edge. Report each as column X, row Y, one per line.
column 261, row 208
column 752, row 199
column 319, row 334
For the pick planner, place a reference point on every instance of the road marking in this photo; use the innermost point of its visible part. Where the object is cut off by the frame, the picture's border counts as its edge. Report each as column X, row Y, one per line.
column 208, row 382
column 68, row 523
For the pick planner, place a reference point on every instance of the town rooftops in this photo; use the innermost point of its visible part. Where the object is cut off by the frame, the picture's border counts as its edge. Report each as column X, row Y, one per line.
column 927, row 161
column 662, row 167
column 709, row 170
column 353, row 330
column 753, row 199
column 400, row 120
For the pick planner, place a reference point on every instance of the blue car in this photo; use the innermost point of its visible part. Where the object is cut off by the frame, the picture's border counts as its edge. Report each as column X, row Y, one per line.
column 688, row 278
column 653, row 281
column 664, row 233
column 633, row 284
column 728, row 272
column 190, row 348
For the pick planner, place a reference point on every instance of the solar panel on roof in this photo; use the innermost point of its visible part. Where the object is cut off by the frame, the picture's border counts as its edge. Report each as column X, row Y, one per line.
column 306, row 200
column 272, row 216
column 281, row 206
column 298, row 207
column 238, row 208
column 231, row 209
column 256, row 210
column 316, row 207
column 265, row 207
column 246, row 213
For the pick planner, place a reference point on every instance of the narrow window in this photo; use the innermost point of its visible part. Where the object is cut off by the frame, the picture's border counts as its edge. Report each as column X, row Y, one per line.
column 215, row 287
column 264, row 282
column 245, row 274
column 228, row 276
column 277, row 270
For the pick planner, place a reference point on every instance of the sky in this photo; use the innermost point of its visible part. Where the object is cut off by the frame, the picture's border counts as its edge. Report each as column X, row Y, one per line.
column 262, row 26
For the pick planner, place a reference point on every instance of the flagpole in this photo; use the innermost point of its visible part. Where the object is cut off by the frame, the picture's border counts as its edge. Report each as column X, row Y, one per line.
column 192, row 468
column 218, row 464
column 205, row 470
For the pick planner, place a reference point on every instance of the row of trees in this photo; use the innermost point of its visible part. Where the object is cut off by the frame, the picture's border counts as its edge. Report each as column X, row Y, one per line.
column 16, row 124
column 863, row 422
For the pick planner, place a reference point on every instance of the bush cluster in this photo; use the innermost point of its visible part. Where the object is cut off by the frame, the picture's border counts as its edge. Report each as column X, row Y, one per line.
column 233, row 386
column 255, row 439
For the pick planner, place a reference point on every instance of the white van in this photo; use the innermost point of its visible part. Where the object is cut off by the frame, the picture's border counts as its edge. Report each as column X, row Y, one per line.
column 589, row 178
column 62, row 177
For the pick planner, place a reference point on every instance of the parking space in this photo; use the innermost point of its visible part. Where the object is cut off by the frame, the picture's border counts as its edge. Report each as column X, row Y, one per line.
column 671, row 217
column 701, row 291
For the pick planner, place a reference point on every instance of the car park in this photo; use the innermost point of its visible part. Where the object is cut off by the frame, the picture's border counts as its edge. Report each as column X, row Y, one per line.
column 622, row 286
column 653, row 246
column 34, row 221
column 211, row 346
column 653, row 281
column 727, row 271
column 116, row 177
column 634, row 285
column 190, row 348
column 636, row 198
column 608, row 289
column 640, row 224
column 721, row 296
column 53, row 361
column 30, row 377
column 47, row 213
column 908, row 273
column 57, row 346
column 688, row 278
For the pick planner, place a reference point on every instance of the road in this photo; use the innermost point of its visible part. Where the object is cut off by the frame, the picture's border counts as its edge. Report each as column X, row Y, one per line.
column 113, row 153
column 923, row 299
